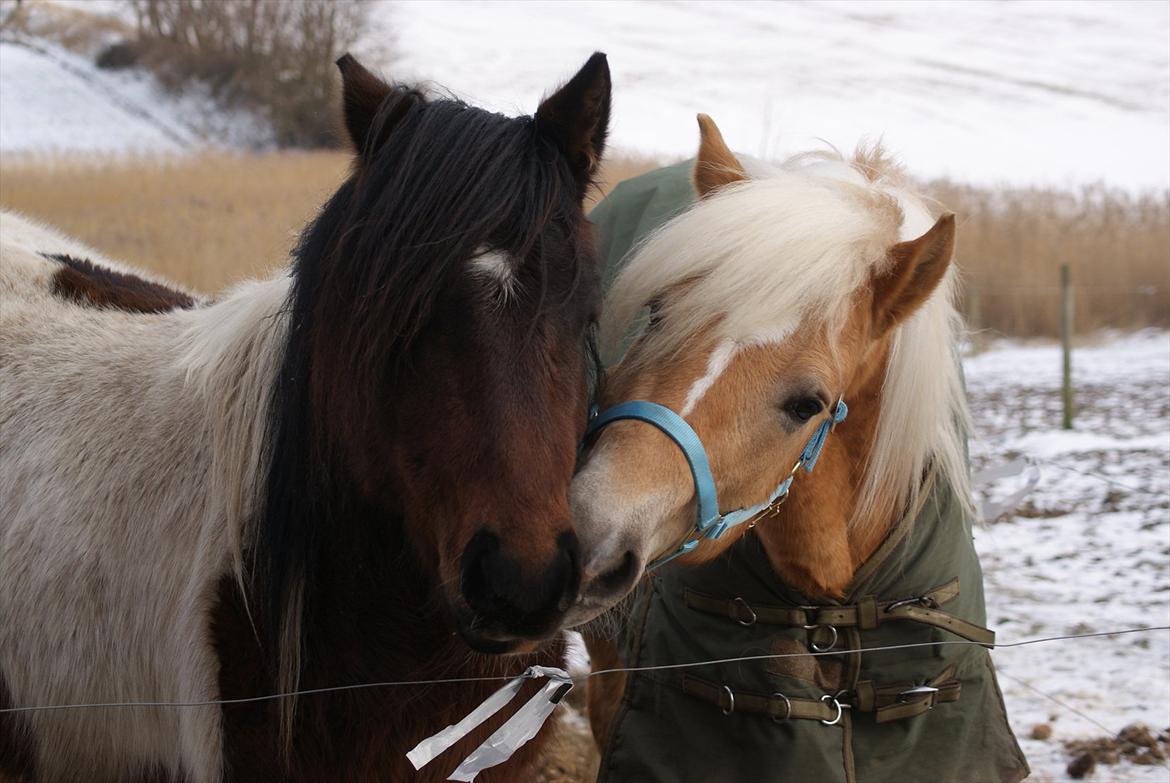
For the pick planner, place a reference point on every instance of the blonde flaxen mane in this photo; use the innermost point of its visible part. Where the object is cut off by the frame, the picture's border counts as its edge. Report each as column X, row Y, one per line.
column 793, row 244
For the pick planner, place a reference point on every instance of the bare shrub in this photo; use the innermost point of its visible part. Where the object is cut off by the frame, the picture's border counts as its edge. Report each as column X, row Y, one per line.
column 73, row 28
column 276, row 57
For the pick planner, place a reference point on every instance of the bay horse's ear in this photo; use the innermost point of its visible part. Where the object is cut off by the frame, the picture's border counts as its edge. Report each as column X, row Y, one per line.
column 577, row 117
column 362, row 94
column 716, row 166
column 915, row 269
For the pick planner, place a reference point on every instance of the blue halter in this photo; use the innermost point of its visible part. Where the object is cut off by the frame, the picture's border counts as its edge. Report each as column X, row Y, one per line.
column 711, row 524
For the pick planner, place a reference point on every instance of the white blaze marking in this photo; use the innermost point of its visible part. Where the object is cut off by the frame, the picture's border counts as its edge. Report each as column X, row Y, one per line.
column 716, row 364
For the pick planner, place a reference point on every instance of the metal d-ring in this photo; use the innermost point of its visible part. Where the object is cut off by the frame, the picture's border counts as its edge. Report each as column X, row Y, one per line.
column 840, row 710
column 730, row 701
column 787, row 707
column 739, row 603
column 813, row 644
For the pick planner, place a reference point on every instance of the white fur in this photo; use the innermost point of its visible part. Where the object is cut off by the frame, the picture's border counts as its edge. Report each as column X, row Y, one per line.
column 717, row 362
column 497, row 268
column 796, row 242
column 130, row 448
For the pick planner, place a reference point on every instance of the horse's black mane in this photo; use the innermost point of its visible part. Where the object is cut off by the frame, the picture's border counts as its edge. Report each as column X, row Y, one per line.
column 433, row 183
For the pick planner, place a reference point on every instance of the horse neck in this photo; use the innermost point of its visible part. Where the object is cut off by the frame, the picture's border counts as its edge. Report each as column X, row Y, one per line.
column 811, row 541
column 229, row 353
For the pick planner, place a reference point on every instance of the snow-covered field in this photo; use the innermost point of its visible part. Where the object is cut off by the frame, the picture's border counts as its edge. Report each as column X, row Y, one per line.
column 1045, row 92
column 1089, row 549
column 1053, row 93
column 53, row 101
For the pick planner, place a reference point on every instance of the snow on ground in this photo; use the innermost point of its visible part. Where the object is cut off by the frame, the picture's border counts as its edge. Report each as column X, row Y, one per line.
column 1081, row 554
column 1052, row 93
column 1056, row 93
column 54, row 101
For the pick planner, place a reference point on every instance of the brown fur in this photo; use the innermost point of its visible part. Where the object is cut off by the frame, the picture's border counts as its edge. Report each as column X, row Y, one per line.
column 716, row 165
column 372, row 750
column 809, row 540
column 82, row 281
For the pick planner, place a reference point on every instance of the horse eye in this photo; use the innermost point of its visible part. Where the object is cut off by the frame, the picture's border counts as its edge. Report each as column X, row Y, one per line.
column 803, row 408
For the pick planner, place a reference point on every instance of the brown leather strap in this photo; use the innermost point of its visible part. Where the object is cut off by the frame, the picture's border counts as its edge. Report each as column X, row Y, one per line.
column 776, row 706
column 897, row 701
column 866, row 614
column 906, row 700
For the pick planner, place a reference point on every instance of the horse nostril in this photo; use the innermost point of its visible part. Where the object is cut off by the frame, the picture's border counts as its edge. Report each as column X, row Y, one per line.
column 507, row 592
column 476, row 566
column 620, row 578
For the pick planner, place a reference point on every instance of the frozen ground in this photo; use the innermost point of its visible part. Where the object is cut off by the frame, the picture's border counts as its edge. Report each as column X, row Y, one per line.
column 1033, row 92
column 1054, row 93
column 54, row 101
column 1081, row 554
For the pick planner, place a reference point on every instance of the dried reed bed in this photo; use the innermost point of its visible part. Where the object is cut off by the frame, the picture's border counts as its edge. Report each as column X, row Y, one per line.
column 212, row 220
column 1012, row 242
column 205, row 222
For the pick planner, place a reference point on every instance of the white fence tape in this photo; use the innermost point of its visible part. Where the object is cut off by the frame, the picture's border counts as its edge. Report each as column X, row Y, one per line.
column 507, row 739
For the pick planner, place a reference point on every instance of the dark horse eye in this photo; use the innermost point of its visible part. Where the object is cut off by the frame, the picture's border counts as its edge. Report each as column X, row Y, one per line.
column 803, row 408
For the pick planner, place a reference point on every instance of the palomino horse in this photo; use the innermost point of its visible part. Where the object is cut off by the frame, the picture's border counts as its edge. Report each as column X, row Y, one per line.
column 776, row 299
column 355, row 471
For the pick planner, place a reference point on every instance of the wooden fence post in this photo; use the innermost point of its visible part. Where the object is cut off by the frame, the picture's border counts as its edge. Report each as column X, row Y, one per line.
column 1066, row 326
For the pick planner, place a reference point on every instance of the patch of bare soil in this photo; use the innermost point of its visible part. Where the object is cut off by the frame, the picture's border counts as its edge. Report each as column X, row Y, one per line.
column 570, row 756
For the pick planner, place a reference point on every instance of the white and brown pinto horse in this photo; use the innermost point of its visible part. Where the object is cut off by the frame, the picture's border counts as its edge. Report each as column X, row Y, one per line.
column 780, row 291
column 354, row 471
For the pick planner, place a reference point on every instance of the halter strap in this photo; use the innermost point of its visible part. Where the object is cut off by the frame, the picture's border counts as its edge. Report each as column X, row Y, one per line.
column 710, row 524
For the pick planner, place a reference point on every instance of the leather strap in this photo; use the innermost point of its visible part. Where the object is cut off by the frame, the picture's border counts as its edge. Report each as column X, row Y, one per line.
column 897, row 701
column 907, row 700
column 776, row 706
column 866, row 614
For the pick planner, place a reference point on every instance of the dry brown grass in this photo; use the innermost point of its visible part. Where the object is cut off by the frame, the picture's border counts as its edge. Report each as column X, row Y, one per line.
column 1013, row 241
column 205, row 222
column 212, row 220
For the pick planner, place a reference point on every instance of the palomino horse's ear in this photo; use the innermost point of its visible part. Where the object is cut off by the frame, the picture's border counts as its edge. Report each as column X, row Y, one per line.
column 577, row 117
column 716, row 166
column 362, row 94
column 915, row 269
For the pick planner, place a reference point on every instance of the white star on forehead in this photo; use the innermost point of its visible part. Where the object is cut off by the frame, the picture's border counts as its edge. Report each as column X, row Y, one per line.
column 495, row 266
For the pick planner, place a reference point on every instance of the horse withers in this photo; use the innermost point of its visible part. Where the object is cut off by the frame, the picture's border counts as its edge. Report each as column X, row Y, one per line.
column 782, row 298
column 352, row 472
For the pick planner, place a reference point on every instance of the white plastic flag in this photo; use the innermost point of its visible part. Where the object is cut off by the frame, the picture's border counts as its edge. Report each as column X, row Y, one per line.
column 507, row 739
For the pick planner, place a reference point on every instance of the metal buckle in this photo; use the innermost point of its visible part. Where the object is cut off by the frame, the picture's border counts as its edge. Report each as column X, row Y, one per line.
column 833, row 413
column 812, row 642
column 730, row 701
column 787, row 707
column 918, row 690
column 840, row 710
column 921, row 599
column 740, row 603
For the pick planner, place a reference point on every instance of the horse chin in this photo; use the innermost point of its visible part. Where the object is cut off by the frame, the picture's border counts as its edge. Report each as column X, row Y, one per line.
column 496, row 643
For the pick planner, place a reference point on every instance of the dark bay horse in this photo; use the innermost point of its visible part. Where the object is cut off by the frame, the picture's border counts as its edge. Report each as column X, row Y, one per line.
column 355, row 471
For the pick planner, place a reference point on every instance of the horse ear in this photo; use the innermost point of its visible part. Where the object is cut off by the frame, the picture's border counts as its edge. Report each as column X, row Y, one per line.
column 577, row 117
column 915, row 269
column 362, row 94
column 716, row 166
